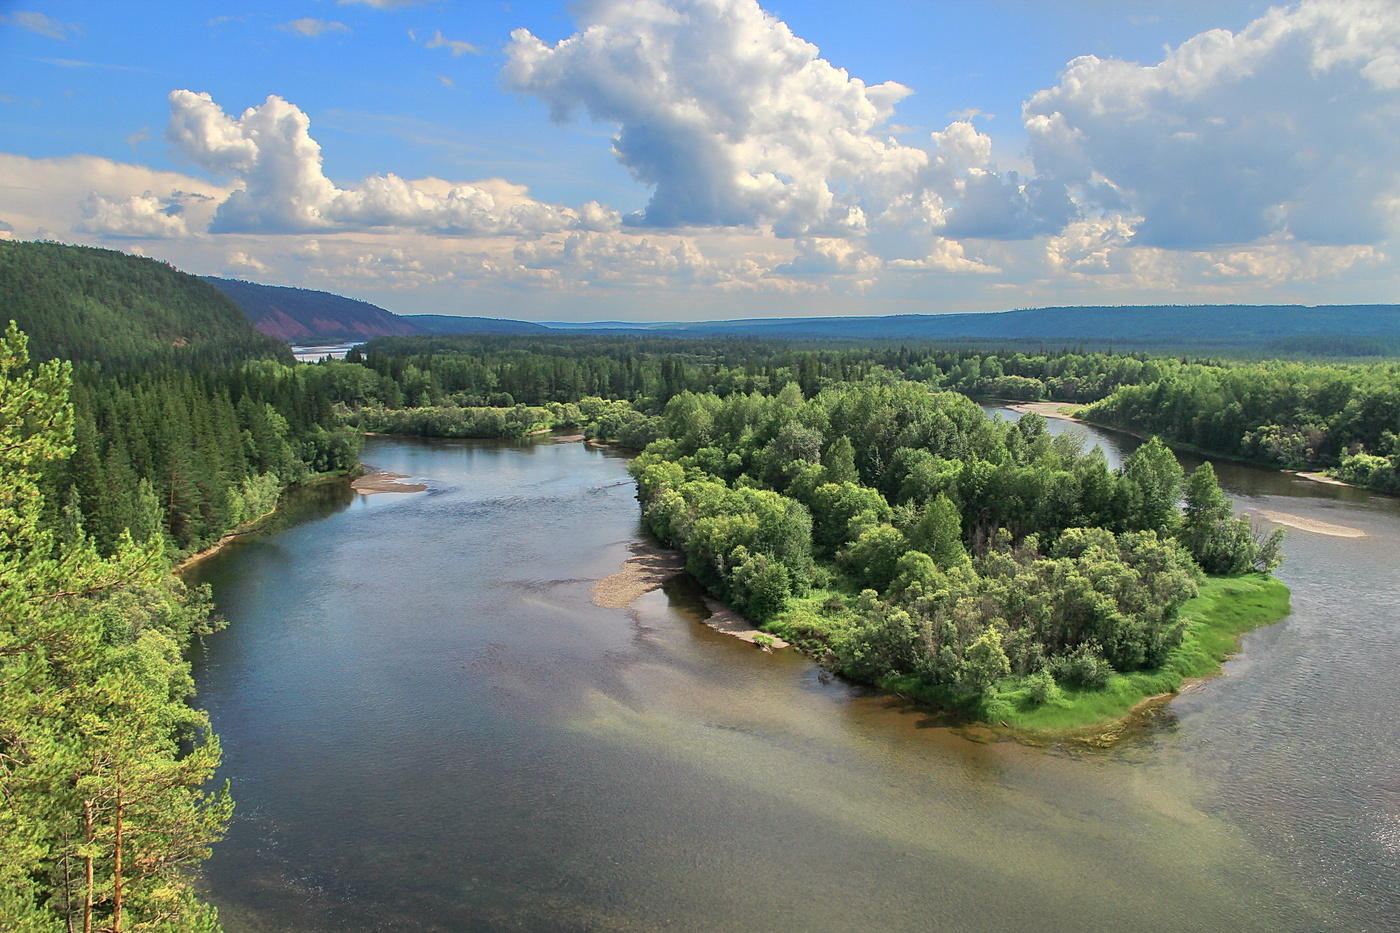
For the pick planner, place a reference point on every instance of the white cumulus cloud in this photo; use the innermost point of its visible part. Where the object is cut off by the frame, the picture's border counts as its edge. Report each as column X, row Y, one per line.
column 728, row 116
column 141, row 215
column 275, row 165
column 1290, row 126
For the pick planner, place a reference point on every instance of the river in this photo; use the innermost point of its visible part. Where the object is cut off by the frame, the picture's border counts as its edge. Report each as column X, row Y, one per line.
column 429, row 725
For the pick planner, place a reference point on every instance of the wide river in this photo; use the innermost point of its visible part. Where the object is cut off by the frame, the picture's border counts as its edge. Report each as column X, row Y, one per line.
column 428, row 725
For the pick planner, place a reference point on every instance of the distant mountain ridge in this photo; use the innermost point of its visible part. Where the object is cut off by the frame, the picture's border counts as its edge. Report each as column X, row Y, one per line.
column 453, row 324
column 1129, row 325
column 305, row 316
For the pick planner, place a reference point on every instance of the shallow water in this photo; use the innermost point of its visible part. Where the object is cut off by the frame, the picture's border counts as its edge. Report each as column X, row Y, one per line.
column 429, row 726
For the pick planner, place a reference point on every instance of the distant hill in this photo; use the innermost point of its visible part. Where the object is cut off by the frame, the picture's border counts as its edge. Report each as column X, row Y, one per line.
column 302, row 315
column 451, row 324
column 307, row 316
column 86, row 304
column 1293, row 329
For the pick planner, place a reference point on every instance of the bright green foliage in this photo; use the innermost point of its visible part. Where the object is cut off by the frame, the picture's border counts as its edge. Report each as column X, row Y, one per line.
column 1220, row 542
column 1044, row 591
column 840, row 461
column 102, row 763
column 1154, row 479
column 1379, row 470
column 1226, row 608
column 939, row 532
column 871, row 559
column 984, row 663
column 1041, row 688
column 759, row 583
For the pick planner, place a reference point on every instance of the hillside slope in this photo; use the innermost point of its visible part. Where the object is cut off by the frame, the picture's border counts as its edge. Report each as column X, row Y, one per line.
column 303, row 315
column 85, row 304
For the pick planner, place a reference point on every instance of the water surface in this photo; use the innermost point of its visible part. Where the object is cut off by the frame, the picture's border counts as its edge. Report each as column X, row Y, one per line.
column 430, row 726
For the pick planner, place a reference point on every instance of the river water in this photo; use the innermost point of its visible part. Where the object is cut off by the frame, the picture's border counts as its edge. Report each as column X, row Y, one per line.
column 429, row 726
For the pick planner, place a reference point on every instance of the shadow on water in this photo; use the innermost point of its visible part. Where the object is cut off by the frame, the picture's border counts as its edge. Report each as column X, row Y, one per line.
column 429, row 725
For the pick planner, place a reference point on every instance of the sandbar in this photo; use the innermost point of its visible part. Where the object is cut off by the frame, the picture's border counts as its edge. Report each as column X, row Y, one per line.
column 1303, row 523
column 380, row 481
column 1045, row 409
column 647, row 569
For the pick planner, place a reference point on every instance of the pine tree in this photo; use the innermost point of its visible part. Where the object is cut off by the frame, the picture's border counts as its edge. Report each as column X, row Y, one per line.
column 102, row 763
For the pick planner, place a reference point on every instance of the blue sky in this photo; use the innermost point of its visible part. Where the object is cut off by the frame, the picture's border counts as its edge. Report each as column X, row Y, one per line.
column 715, row 158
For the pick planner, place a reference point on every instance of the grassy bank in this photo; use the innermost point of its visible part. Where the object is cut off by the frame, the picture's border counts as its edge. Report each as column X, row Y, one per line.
column 1225, row 609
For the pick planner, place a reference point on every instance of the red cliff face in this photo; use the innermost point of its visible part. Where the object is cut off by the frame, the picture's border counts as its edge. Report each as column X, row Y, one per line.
column 300, row 315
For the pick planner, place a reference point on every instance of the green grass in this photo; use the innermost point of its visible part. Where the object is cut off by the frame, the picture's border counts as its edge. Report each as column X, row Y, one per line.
column 1226, row 608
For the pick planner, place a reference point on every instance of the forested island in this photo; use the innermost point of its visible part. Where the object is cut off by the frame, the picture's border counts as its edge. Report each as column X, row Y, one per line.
column 849, row 498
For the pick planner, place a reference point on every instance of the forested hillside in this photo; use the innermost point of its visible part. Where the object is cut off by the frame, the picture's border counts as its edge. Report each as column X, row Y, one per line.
column 166, row 422
column 83, row 304
column 307, row 316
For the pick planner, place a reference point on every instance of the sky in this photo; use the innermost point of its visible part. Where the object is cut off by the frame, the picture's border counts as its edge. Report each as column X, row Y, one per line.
column 704, row 159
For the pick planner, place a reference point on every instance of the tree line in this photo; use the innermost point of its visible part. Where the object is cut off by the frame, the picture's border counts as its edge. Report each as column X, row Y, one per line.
column 1339, row 416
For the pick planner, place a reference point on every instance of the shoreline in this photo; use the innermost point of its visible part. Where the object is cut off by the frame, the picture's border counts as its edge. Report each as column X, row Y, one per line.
column 238, row 531
column 1062, row 410
column 1217, row 620
column 649, row 567
column 251, row 526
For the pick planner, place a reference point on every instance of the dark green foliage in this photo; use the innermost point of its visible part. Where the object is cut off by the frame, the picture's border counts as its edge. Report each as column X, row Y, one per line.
column 84, row 304
column 1083, row 667
column 1301, row 415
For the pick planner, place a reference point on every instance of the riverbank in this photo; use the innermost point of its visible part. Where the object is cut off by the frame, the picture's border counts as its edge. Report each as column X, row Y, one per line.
column 251, row 526
column 1067, row 411
column 1216, row 619
column 1223, row 611
column 649, row 567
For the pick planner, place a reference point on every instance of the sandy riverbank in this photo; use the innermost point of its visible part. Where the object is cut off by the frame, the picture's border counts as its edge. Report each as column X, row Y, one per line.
column 1303, row 523
column 1319, row 478
column 243, row 529
column 1063, row 410
column 647, row 569
column 380, row 481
